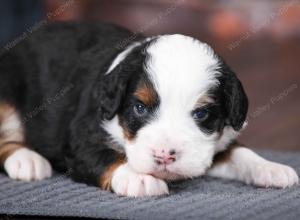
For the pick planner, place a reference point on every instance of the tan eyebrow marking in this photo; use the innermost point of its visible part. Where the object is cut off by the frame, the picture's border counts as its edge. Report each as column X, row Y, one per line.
column 146, row 94
column 204, row 100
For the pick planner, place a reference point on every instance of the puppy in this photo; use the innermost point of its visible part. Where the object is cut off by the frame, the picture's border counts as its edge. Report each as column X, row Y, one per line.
column 124, row 113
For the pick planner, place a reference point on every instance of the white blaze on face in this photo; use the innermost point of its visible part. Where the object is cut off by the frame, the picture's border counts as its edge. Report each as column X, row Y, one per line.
column 182, row 70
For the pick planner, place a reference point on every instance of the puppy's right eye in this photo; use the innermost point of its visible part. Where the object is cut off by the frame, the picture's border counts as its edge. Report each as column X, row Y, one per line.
column 140, row 109
column 200, row 114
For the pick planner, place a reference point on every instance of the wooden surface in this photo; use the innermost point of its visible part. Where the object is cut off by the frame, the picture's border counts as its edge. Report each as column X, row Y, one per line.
column 260, row 40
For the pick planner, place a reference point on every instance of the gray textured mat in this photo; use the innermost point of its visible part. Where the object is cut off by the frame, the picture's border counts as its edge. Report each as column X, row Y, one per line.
column 205, row 198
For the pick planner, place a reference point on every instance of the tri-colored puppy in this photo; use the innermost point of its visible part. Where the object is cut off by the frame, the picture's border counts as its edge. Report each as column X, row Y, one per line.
column 125, row 115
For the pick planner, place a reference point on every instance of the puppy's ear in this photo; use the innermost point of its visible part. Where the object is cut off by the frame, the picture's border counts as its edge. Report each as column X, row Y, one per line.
column 112, row 85
column 235, row 98
column 111, row 90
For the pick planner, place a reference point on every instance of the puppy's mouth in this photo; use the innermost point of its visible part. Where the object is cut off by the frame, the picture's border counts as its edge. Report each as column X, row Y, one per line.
column 162, row 172
column 166, row 175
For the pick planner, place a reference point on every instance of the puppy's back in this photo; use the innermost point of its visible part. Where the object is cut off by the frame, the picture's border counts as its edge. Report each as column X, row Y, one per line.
column 44, row 76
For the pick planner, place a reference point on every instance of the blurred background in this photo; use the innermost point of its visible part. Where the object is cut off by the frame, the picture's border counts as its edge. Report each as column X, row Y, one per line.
column 259, row 39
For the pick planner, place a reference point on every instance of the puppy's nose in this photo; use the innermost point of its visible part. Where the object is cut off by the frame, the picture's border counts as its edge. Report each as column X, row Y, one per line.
column 172, row 152
column 165, row 157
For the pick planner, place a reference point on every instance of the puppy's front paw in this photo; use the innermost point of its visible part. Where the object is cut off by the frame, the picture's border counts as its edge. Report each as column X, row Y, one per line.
column 25, row 164
column 270, row 174
column 126, row 182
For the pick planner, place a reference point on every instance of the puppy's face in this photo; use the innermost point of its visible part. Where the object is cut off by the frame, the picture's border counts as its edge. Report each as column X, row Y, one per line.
column 178, row 105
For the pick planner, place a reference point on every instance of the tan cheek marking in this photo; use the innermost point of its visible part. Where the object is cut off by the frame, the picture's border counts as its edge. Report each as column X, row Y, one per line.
column 129, row 136
column 105, row 179
column 224, row 156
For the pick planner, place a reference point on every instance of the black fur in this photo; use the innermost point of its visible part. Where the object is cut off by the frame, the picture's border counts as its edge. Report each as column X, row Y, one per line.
column 56, row 80
column 115, row 92
column 112, row 89
column 231, row 103
column 129, row 120
column 52, row 78
column 233, row 97
column 215, row 120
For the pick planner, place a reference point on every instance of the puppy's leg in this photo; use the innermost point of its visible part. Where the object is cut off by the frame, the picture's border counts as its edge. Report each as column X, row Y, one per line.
column 243, row 164
column 106, row 168
column 93, row 162
column 18, row 161
column 126, row 182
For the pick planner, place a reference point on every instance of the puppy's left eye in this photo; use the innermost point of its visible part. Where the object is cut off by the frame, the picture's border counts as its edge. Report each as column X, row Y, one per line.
column 140, row 109
column 200, row 114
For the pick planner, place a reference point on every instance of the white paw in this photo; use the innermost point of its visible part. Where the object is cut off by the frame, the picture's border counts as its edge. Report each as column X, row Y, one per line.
column 25, row 164
column 270, row 174
column 126, row 182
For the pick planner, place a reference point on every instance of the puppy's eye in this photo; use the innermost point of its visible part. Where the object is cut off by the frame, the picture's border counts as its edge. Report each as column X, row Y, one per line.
column 200, row 114
column 140, row 109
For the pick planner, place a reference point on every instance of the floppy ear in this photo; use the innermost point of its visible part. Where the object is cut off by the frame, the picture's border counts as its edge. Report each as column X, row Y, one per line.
column 111, row 86
column 111, row 90
column 235, row 98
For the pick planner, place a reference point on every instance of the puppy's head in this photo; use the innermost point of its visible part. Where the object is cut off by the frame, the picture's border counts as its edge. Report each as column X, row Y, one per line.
column 172, row 103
